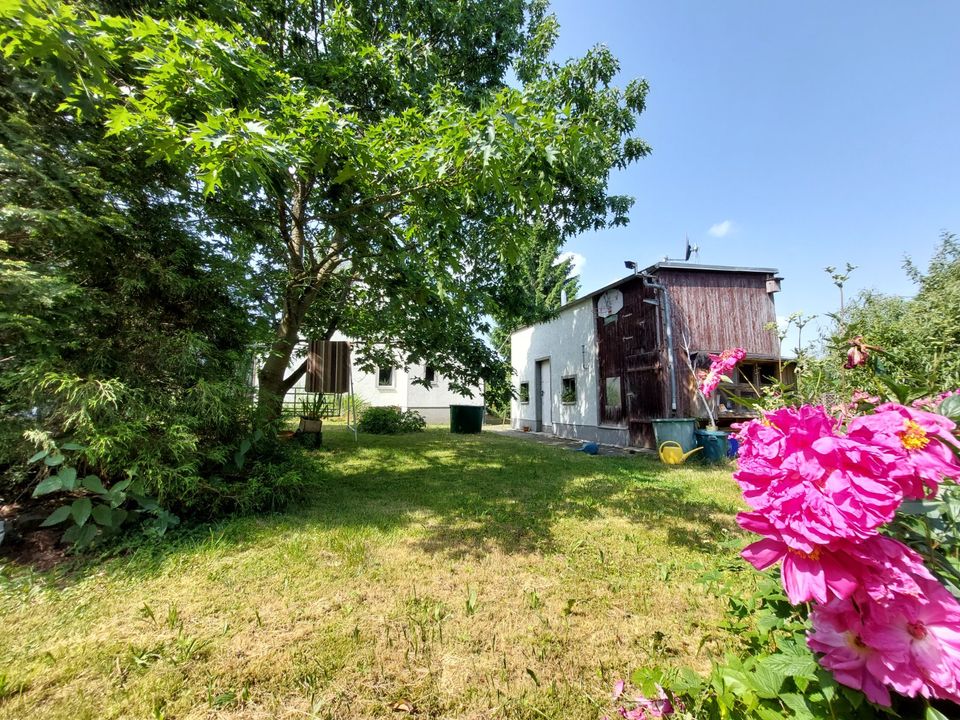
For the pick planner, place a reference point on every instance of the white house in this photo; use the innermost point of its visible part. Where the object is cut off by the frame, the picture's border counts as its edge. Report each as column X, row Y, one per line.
column 616, row 359
column 395, row 386
column 388, row 386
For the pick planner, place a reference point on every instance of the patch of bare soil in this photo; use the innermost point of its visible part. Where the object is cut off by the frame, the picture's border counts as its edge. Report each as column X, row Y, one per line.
column 36, row 547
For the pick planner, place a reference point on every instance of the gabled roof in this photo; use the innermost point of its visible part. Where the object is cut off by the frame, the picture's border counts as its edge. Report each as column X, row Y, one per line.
column 673, row 265
column 656, row 267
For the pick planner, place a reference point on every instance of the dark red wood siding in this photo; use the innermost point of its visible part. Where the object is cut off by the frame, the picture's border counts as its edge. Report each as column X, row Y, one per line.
column 631, row 355
column 712, row 310
column 719, row 310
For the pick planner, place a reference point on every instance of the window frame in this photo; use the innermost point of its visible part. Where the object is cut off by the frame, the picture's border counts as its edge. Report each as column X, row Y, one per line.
column 564, row 390
column 392, row 384
column 524, row 384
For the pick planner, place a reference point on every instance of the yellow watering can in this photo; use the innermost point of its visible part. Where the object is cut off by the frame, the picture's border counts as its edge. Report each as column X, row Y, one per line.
column 671, row 452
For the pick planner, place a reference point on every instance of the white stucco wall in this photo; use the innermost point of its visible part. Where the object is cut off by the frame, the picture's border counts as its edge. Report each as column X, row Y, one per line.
column 569, row 341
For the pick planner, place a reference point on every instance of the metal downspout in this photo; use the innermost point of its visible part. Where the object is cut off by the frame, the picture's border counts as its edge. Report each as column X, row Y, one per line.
column 648, row 281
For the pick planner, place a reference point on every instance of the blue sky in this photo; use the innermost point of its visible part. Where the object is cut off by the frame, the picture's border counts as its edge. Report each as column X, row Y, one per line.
column 805, row 134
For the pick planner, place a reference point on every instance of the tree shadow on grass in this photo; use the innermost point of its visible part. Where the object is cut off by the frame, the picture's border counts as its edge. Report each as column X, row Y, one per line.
column 468, row 495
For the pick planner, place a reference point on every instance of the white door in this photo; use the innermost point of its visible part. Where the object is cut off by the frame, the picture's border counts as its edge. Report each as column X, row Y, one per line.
column 546, row 406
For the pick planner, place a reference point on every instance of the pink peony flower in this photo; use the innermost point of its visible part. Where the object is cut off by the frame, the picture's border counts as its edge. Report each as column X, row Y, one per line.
column 919, row 439
column 918, row 638
column 816, row 575
column 810, row 486
column 858, row 353
column 837, row 634
column 720, row 366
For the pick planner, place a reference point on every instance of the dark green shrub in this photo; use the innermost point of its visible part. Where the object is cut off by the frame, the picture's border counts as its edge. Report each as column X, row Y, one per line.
column 390, row 421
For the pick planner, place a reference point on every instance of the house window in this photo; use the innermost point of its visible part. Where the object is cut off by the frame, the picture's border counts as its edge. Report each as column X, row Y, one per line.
column 385, row 377
column 429, row 374
column 524, row 392
column 568, row 390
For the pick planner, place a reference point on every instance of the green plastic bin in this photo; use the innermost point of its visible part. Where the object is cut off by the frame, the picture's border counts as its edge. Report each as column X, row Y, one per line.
column 466, row 419
column 679, row 430
column 714, row 444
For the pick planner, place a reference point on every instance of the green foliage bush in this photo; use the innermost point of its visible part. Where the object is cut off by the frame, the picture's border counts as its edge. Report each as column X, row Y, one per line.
column 122, row 331
column 390, row 421
column 771, row 673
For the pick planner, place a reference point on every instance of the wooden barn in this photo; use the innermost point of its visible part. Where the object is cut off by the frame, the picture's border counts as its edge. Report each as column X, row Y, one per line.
column 616, row 359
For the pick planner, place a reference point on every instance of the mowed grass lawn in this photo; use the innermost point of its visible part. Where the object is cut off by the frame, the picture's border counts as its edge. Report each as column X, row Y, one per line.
column 428, row 575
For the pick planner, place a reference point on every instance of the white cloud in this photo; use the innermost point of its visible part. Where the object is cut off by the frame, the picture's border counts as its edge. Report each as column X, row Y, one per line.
column 721, row 229
column 577, row 260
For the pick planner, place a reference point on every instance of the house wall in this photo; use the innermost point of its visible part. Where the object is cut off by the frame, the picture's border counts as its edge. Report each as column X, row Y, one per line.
column 433, row 404
column 569, row 341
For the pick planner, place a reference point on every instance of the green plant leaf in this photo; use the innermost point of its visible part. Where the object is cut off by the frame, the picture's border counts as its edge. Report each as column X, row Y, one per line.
column 38, row 456
column 93, row 484
column 72, row 446
column 68, row 477
column 934, row 714
column 81, row 510
column 57, row 516
column 48, row 485
column 86, row 535
column 951, row 407
column 120, row 486
column 103, row 515
column 766, row 681
column 791, row 665
column 54, row 460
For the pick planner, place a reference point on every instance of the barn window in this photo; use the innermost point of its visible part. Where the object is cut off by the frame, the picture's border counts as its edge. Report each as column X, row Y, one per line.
column 568, row 390
column 612, row 387
column 385, row 377
column 524, row 392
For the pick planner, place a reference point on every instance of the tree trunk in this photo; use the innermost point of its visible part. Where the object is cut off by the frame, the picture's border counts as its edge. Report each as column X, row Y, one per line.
column 271, row 376
column 273, row 383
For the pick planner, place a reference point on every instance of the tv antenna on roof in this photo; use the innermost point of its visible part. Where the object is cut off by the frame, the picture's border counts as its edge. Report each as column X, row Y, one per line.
column 688, row 251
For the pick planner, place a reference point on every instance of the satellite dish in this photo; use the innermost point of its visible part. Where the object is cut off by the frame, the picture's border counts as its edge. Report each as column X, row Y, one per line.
column 690, row 250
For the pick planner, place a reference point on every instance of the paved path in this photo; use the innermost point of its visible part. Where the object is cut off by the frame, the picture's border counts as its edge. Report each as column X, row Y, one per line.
column 548, row 439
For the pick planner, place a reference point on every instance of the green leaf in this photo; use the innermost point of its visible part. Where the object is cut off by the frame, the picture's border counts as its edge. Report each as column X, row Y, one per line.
column 798, row 704
column 85, row 535
column 791, row 665
column 766, row 681
column 345, row 174
column 951, row 407
column 48, row 485
column 120, row 486
column 934, row 714
column 93, row 484
column 81, row 510
column 103, row 515
column 57, row 516
column 38, row 456
column 72, row 446
column 117, row 516
column 68, row 477
column 54, row 460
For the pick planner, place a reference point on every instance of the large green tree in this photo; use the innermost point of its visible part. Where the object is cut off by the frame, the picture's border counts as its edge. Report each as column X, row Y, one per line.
column 120, row 328
column 369, row 159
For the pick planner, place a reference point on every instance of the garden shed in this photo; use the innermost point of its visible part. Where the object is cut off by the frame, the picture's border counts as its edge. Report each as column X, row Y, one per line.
column 616, row 359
